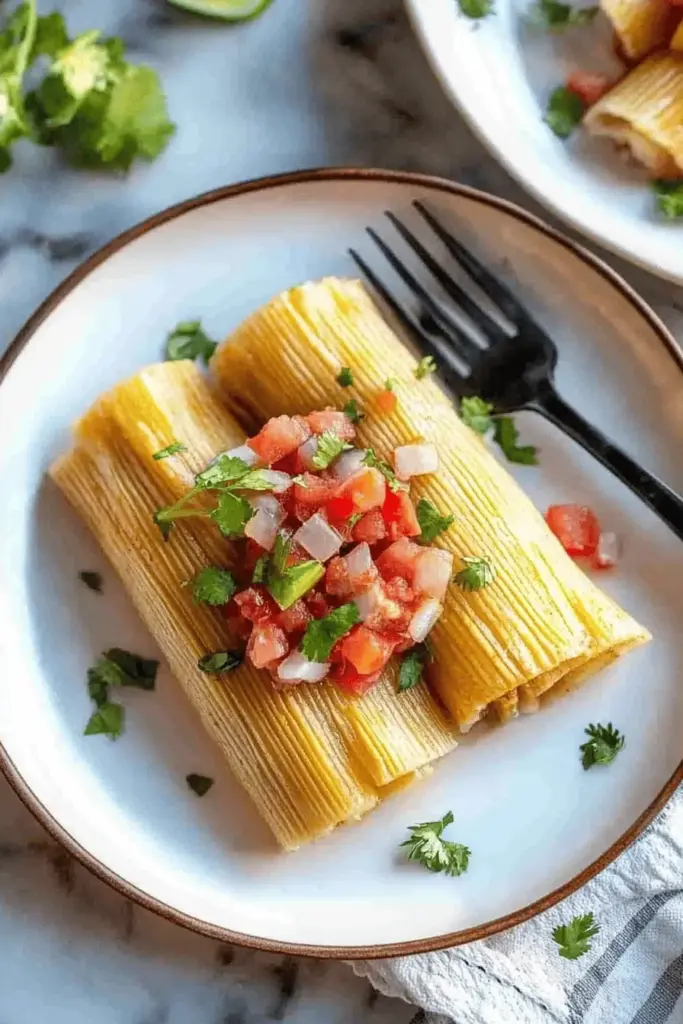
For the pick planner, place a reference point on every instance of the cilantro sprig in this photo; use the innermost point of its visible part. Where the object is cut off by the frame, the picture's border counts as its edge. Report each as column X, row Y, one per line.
column 574, row 938
column 432, row 523
column 174, row 448
column 427, row 846
column 330, row 445
column 603, row 745
column 322, row 634
column 96, row 107
column 387, row 471
column 477, row 574
column 478, row 415
column 189, row 340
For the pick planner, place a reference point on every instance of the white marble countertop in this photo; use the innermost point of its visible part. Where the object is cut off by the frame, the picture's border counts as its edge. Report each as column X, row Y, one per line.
column 311, row 83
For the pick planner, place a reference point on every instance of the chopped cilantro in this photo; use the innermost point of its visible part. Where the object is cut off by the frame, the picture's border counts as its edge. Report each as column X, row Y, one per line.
column 477, row 574
column 352, row 411
column 322, row 634
column 199, row 784
column 669, row 198
column 427, row 364
column 92, row 580
column 220, row 661
column 603, row 745
column 345, row 377
column 564, row 112
column 189, row 340
column 476, row 413
column 556, row 16
column 213, row 586
column 426, row 846
column 432, row 523
column 174, row 448
column 329, row 447
column 385, row 469
column 260, row 573
column 412, row 666
column 107, row 720
column 506, row 435
column 354, row 519
column 134, row 670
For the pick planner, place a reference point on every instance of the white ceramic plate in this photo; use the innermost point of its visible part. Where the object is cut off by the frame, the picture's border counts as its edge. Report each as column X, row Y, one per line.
column 500, row 75
column 535, row 821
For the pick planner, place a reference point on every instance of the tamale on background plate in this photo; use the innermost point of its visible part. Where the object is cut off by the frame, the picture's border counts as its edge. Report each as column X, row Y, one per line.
column 535, row 821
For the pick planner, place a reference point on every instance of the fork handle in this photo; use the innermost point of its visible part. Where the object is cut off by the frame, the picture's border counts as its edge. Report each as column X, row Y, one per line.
column 661, row 499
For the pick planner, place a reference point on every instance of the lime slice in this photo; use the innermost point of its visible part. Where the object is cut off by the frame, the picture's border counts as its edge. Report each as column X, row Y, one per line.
column 227, row 10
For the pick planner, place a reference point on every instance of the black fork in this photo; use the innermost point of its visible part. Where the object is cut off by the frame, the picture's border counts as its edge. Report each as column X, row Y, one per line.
column 516, row 369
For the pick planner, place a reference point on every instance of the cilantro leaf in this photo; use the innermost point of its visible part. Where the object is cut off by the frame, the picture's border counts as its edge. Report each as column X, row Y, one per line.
column 385, row 469
column 556, row 16
column 98, row 686
column 136, row 122
column 107, row 720
column 174, row 448
column 322, row 634
column 219, row 662
column 51, row 35
column 432, row 523
column 92, row 580
column 564, row 112
column 426, row 846
column 226, row 469
column 352, row 411
column 135, row 670
column 288, row 586
column 412, row 666
column 574, row 938
column 188, row 340
column 669, row 198
column 329, row 447
column 476, row 413
column 232, row 514
column 199, row 784
column 213, row 586
column 478, row 573
column 603, row 746
column 427, row 364
column 345, row 377
column 260, row 573
column 506, row 435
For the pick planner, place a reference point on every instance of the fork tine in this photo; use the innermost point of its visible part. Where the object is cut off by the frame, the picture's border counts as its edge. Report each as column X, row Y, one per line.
column 493, row 330
column 487, row 281
column 463, row 345
column 450, row 373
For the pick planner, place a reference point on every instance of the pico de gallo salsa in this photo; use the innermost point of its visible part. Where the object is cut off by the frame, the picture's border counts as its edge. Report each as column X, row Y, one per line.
column 333, row 582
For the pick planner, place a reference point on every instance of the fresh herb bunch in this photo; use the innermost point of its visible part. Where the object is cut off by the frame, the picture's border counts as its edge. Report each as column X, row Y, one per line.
column 574, row 938
column 98, row 109
column 426, row 846
column 603, row 745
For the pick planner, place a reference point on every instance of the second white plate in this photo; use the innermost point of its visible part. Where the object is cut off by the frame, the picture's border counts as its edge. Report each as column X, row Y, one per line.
column 535, row 821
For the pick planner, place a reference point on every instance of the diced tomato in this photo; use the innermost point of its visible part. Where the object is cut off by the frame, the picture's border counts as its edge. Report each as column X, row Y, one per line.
column 399, row 590
column 267, row 644
column 290, row 464
column 576, row 527
column 370, row 528
column 589, row 87
column 398, row 559
column 279, row 437
column 350, row 681
column 368, row 652
column 295, row 618
column 400, row 515
column 386, row 401
column 239, row 628
column 252, row 553
column 366, row 488
column 337, row 581
column 312, row 494
column 256, row 604
column 339, row 509
column 336, row 422
column 317, row 604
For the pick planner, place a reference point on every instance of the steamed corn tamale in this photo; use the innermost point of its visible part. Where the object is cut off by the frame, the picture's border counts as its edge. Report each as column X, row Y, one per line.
column 542, row 620
column 309, row 757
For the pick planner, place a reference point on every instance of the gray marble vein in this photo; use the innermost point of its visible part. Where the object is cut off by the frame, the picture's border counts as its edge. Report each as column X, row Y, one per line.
column 311, row 83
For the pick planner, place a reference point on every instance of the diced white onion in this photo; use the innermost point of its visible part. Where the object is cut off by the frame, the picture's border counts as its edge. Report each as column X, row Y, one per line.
column 424, row 618
column 347, row 464
column 267, row 502
column 318, row 538
column 433, row 569
column 306, row 452
column 415, row 459
column 375, row 602
column 358, row 561
column 607, row 554
column 296, row 668
column 278, row 482
column 263, row 528
column 245, row 453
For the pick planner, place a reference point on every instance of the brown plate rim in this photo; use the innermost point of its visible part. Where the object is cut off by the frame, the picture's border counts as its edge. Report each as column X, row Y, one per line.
column 12, row 773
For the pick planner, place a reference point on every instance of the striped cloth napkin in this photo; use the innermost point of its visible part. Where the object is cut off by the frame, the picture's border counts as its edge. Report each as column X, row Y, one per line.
column 633, row 974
